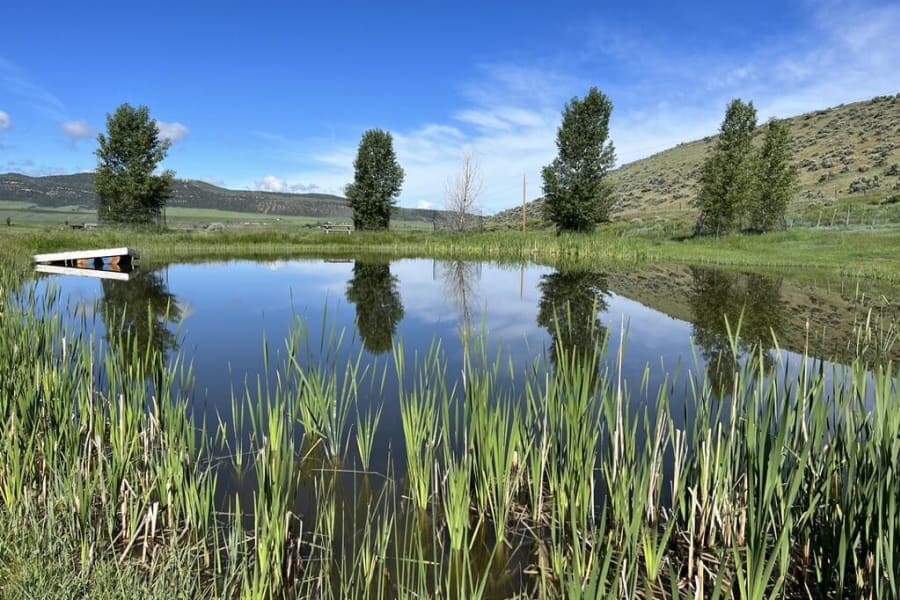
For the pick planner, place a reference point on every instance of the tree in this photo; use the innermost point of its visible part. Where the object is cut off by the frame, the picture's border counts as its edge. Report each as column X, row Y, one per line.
column 376, row 182
column 462, row 193
column 726, row 181
column 375, row 293
column 576, row 193
column 776, row 179
column 127, row 158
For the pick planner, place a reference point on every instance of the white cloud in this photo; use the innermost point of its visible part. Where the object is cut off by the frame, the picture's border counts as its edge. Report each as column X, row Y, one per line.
column 509, row 116
column 510, row 124
column 77, row 130
column 272, row 183
column 5, row 121
column 424, row 204
column 844, row 52
column 172, row 132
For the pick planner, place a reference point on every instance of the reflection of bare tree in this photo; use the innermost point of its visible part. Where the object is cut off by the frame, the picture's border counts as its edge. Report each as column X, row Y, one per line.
column 461, row 281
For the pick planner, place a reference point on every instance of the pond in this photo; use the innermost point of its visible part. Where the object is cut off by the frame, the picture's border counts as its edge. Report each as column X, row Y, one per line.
column 242, row 327
column 230, row 320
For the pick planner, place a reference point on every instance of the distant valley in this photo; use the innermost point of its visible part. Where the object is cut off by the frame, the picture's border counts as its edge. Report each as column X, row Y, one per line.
column 78, row 191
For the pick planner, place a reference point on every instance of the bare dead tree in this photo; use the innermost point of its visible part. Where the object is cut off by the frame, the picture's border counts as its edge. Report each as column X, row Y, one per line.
column 463, row 192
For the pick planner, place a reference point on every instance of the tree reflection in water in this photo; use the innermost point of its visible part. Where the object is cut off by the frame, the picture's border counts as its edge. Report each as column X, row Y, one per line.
column 461, row 280
column 376, row 295
column 137, row 314
column 569, row 309
column 749, row 300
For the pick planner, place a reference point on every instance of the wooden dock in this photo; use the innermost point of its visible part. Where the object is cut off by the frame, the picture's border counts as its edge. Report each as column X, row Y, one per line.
column 95, row 273
column 89, row 258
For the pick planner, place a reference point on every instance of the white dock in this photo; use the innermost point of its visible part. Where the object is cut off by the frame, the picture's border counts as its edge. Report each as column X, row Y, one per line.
column 87, row 257
column 96, row 273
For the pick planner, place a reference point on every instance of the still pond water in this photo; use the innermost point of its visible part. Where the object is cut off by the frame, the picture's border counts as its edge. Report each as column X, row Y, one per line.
column 669, row 320
column 220, row 316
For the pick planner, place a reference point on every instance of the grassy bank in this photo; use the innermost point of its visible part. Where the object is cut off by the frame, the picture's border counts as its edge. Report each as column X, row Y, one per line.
column 567, row 486
column 858, row 253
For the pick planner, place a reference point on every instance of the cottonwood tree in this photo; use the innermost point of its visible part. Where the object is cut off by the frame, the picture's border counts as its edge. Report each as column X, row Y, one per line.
column 463, row 191
column 126, row 182
column 377, row 180
column 577, row 194
column 776, row 179
column 726, row 178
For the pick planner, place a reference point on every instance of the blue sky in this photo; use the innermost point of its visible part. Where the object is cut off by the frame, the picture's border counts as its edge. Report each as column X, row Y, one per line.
column 265, row 95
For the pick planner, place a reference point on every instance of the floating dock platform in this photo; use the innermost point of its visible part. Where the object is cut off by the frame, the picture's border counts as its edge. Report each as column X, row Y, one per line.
column 96, row 273
column 85, row 259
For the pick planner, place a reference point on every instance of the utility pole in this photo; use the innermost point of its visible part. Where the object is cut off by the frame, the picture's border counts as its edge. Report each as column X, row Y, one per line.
column 524, row 196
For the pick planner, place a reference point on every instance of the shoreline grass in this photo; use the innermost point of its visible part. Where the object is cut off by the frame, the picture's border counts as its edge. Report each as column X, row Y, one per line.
column 863, row 254
column 572, row 489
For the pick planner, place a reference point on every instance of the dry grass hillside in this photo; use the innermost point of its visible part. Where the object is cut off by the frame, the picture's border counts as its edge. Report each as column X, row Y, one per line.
column 846, row 153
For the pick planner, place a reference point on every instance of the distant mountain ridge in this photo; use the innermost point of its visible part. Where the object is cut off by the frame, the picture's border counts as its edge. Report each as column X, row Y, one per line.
column 847, row 151
column 78, row 190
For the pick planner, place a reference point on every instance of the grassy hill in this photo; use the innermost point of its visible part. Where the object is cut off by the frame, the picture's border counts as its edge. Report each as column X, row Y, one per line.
column 78, row 191
column 848, row 156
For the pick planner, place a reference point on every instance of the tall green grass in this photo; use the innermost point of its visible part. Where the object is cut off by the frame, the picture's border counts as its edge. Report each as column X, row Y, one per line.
column 860, row 253
column 565, row 484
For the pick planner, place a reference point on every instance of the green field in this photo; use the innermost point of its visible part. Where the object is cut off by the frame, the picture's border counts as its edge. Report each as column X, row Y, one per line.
column 854, row 251
column 28, row 214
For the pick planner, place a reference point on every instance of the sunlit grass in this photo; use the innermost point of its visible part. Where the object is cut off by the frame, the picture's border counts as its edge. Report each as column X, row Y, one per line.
column 858, row 253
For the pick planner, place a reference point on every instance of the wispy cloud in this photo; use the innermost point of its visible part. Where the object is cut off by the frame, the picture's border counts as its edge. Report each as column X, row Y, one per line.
column 172, row 132
column 509, row 115
column 5, row 121
column 77, row 130
column 845, row 52
column 19, row 165
column 509, row 122
column 15, row 81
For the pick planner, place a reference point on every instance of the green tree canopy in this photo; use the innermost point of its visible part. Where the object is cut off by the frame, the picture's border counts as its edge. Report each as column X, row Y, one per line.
column 375, row 293
column 726, row 177
column 577, row 195
column 377, row 180
column 128, row 156
column 776, row 179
